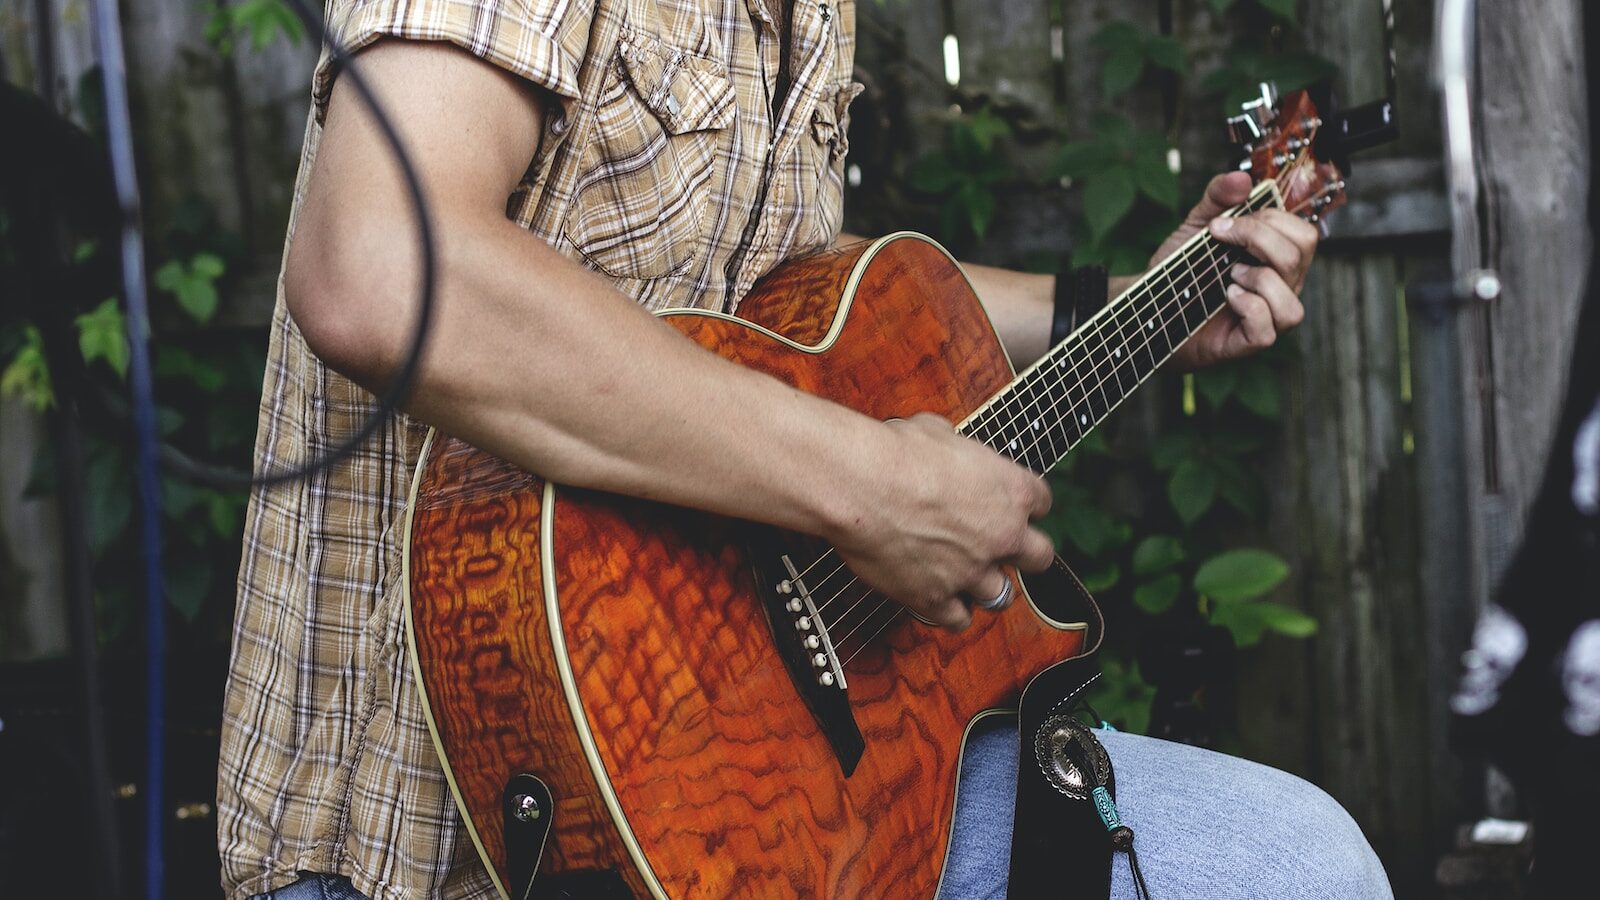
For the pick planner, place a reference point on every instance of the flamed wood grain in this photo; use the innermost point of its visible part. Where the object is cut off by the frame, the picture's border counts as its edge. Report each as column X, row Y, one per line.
column 722, row 773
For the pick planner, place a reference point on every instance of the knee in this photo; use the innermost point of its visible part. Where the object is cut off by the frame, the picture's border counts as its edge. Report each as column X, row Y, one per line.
column 1323, row 851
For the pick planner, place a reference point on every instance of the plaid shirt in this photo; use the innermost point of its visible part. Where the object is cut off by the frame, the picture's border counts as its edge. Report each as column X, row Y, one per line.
column 666, row 169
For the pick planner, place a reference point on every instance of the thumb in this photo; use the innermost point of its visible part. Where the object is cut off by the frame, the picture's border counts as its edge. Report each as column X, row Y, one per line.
column 1224, row 191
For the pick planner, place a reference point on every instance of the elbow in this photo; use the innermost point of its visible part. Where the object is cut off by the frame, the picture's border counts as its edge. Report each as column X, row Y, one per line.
column 352, row 308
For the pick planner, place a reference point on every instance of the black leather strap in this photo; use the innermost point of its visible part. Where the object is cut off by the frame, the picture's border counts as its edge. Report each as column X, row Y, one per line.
column 1059, row 846
column 1079, row 294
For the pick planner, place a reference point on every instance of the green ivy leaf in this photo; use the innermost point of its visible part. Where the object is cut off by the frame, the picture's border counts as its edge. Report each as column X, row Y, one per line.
column 978, row 201
column 986, row 127
column 1107, row 197
column 1087, row 527
column 1192, row 489
column 1122, row 696
column 207, row 265
column 1165, row 51
column 27, row 377
column 1156, row 553
column 1126, row 260
column 1167, row 450
column 176, row 362
column 1122, row 69
column 1083, row 158
column 168, row 420
column 1241, row 487
column 1118, row 35
column 1259, row 391
column 933, row 174
column 1241, row 574
column 108, row 498
column 1249, row 621
column 1156, row 597
column 188, row 579
column 1284, row 8
column 1155, row 178
column 225, row 512
column 102, row 334
column 1287, row 620
column 178, row 497
column 1102, row 579
column 1242, row 620
column 1216, row 384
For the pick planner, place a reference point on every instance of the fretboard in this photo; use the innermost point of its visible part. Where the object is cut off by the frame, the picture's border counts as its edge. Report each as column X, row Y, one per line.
column 1049, row 408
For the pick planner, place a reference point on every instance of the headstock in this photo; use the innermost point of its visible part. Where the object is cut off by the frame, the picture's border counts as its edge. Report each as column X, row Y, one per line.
column 1280, row 143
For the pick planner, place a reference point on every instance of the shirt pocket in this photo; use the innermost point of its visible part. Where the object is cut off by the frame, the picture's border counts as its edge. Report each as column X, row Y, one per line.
column 828, row 145
column 648, row 170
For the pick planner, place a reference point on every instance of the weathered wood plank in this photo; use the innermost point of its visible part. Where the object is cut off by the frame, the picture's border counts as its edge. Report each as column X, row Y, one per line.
column 1534, row 137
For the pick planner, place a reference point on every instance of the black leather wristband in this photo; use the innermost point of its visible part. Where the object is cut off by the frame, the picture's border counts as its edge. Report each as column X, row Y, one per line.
column 1079, row 294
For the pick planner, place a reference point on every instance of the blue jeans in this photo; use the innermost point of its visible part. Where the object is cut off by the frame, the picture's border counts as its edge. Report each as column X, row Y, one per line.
column 1207, row 825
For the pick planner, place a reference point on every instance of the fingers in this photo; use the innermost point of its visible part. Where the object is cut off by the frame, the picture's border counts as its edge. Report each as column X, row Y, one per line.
column 950, row 613
column 1255, row 318
column 1283, row 303
column 1275, row 238
column 1034, row 552
column 1224, row 192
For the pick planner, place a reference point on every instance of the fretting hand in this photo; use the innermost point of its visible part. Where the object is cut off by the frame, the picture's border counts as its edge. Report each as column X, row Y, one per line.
column 1264, row 300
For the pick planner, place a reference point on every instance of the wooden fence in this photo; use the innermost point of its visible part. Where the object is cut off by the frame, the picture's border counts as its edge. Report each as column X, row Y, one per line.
column 1413, row 437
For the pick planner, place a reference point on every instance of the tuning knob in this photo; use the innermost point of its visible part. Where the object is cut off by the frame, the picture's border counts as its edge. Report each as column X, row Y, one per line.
column 1251, row 125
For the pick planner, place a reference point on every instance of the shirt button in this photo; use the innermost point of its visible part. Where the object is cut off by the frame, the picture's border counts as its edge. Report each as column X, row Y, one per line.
column 824, row 11
column 559, row 126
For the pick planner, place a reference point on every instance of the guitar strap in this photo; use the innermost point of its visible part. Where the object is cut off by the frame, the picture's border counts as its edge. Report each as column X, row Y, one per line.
column 1060, row 843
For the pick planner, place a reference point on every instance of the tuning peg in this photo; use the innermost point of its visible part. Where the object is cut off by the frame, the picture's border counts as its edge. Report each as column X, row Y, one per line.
column 1251, row 124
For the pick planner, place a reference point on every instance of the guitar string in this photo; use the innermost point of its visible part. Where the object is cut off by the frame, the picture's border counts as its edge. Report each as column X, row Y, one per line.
column 1163, row 304
column 1145, row 291
column 1148, row 341
column 897, row 609
column 1201, row 246
column 1183, row 303
column 1169, row 273
column 1215, row 270
column 1206, row 316
column 1096, row 327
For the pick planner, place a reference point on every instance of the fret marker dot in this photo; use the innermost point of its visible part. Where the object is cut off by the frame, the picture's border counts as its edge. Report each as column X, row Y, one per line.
column 1151, row 324
column 1083, row 419
column 1035, row 426
column 1117, row 353
column 1013, row 445
column 1186, row 293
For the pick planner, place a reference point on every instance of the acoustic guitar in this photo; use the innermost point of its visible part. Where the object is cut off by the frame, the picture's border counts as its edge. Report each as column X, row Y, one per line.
column 632, row 699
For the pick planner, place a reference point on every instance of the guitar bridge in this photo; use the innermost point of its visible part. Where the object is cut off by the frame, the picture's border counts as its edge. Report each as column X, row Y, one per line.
column 801, row 637
column 812, row 629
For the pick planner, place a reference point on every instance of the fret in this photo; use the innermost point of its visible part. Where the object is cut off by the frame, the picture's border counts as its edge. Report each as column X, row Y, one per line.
column 1042, row 415
column 1031, row 415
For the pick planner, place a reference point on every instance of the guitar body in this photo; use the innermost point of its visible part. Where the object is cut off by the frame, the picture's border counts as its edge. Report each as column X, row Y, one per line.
column 616, row 648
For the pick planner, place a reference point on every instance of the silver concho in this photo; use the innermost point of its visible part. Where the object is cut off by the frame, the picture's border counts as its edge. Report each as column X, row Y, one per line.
column 1050, row 748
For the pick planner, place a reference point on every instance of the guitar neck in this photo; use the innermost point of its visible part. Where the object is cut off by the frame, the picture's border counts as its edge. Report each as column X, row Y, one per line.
column 1038, row 418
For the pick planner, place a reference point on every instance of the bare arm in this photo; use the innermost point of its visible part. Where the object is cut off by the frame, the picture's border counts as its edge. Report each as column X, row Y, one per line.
column 538, row 360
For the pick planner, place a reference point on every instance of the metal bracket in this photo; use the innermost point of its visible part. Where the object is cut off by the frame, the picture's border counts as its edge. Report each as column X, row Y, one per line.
column 528, row 813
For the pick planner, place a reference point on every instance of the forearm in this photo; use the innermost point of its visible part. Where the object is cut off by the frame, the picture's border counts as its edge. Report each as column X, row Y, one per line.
column 539, row 361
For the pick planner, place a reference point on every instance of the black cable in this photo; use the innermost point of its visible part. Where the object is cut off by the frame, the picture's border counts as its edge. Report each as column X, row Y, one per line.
column 183, row 466
column 119, row 131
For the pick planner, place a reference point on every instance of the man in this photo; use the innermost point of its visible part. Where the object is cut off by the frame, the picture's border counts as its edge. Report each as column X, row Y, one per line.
column 585, row 163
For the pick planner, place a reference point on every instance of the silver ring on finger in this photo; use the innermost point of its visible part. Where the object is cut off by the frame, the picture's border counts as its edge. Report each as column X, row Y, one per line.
column 1001, row 600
